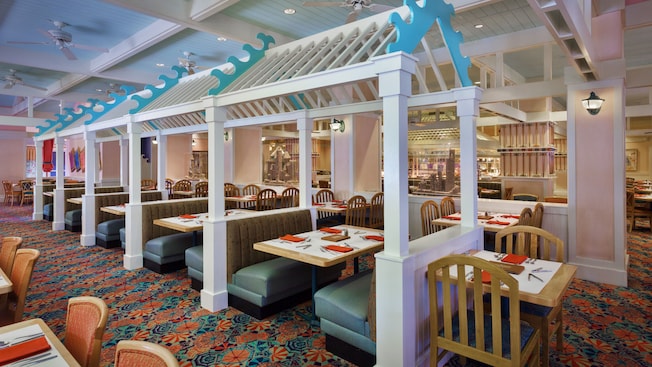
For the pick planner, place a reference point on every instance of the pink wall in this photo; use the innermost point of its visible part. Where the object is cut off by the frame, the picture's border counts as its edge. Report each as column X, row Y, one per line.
column 247, row 156
column 110, row 160
column 179, row 151
column 595, row 180
column 13, row 145
column 367, row 154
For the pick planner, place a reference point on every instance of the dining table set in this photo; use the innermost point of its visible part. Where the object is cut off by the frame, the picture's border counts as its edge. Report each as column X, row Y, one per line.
column 491, row 222
column 31, row 343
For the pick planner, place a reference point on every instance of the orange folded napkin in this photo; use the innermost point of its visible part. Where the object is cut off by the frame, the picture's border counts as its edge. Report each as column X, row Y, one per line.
column 497, row 222
column 486, row 277
column 343, row 206
column 511, row 216
column 451, row 217
column 337, row 201
column 338, row 248
column 187, row 216
column 374, row 237
column 24, row 350
column 330, row 230
column 514, row 259
column 291, row 238
column 318, row 204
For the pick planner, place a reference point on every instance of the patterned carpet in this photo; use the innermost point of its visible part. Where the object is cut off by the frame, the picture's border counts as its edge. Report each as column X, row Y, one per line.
column 604, row 325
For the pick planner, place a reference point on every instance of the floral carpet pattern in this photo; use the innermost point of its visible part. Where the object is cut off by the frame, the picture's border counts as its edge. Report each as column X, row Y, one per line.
column 603, row 325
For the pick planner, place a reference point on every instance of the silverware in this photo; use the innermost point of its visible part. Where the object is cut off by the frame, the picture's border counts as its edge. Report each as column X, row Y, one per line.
column 35, row 358
column 39, row 361
column 19, row 339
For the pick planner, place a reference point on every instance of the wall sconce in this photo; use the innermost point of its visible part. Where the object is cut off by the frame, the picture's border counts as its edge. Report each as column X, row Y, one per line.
column 337, row 125
column 226, row 136
column 154, row 141
column 194, row 142
column 592, row 104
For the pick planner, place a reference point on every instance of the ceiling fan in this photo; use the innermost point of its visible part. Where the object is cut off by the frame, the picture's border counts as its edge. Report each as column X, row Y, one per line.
column 189, row 64
column 62, row 39
column 12, row 79
column 355, row 5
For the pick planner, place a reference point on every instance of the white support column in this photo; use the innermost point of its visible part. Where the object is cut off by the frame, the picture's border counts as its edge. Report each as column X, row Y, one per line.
column 88, row 200
column 37, row 213
column 133, row 257
column 162, row 154
column 214, row 296
column 304, row 125
column 58, row 223
column 395, row 291
column 124, row 162
column 468, row 100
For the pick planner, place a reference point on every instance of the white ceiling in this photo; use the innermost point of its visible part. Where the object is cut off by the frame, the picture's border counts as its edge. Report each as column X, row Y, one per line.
column 141, row 34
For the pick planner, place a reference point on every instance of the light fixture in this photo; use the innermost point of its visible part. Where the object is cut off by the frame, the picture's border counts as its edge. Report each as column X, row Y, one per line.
column 160, row 65
column 154, row 141
column 226, row 136
column 593, row 103
column 289, row 11
column 194, row 142
column 221, row 39
column 478, row 26
column 337, row 125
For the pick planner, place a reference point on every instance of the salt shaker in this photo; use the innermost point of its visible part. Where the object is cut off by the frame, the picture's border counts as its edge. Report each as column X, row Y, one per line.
column 345, row 232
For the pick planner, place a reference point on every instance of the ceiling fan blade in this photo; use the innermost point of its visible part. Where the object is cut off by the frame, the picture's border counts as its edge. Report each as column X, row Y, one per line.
column 323, row 3
column 68, row 53
column 90, row 48
column 9, row 85
column 28, row 43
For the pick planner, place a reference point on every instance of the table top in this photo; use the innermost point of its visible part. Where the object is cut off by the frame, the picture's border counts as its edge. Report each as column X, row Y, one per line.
column 75, row 200
column 546, row 292
column 49, row 193
column 183, row 193
column 643, row 197
column 489, row 221
column 331, row 207
column 5, row 283
column 55, row 357
column 311, row 250
column 241, row 199
column 114, row 209
column 192, row 222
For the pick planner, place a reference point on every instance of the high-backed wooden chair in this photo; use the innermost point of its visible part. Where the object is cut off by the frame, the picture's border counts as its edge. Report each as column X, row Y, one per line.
column 377, row 211
column 429, row 212
column 181, row 186
column 525, row 218
column 201, row 189
column 447, row 206
column 266, row 200
column 632, row 212
column 324, row 196
column 539, row 244
column 147, row 184
column 290, row 197
column 21, row 276
column 8, row 253
column 85, row 323
column 27, row 192
column 231, row 190
column 138, row 353
column 250, row 189
column 537, row 215
column 459, row 324
column 11, row 196
column 356, row 211
column 168, row 186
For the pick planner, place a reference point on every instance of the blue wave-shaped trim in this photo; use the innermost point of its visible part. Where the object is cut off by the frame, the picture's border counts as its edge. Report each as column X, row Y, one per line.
column 66, row 119
column 240, row 67
column 156, row 92
column 422, row 18
column 108, row 106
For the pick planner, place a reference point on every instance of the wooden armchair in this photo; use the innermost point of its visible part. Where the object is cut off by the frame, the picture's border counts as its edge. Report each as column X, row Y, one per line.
column 21, row 277
column 377, row 211
column 138, row 353
column 266, row 200
column 429, row 212
column 85, row 323
column 356, row 211
column 459, row 324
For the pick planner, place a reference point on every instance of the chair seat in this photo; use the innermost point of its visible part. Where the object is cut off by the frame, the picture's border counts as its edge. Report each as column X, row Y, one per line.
column 526, row 332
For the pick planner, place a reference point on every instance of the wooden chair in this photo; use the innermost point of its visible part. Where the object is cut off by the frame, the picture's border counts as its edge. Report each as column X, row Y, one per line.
column 324, row 196
column 138, row 353
column 168, row 186
column 11, row 196
column 459, row 324
column 21, row 276
column 526, row 197
column 447, row 206
column 181, row 185
column 250, row 189
column 290, row 197
column 632, row 212
column 27, row 192
column 377, row 211
column 266, row 200
column 540, row 244
column 147, row 184
column 8, row 253
column 231, row 190
column 356, row 211
column 201, row 189
column 525, row 218
column 85, row 323
column 429, row 212
column 508, row 193
column 537, row 215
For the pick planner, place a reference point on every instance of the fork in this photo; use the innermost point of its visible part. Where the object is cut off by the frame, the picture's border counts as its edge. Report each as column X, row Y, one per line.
column 5, row 344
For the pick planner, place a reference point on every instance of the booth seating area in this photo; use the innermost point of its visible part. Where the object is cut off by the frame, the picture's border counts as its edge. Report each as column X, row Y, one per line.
column 73, row 212
column 347, row 312
column 108, row 226
column 164, row 248
column 258, row 283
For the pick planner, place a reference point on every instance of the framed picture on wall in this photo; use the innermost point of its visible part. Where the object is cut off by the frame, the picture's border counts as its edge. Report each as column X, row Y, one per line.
column 631, row 159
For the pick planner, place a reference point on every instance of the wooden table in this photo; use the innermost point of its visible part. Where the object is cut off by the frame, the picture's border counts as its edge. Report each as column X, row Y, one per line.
column 192, row 222
column 49, row 193
column 484, row 221
column 311, row 250
column 5, row 283
column 331, row 207
column 58, row 355
column 114, row 209
column 548, row 291
column 75, row 200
